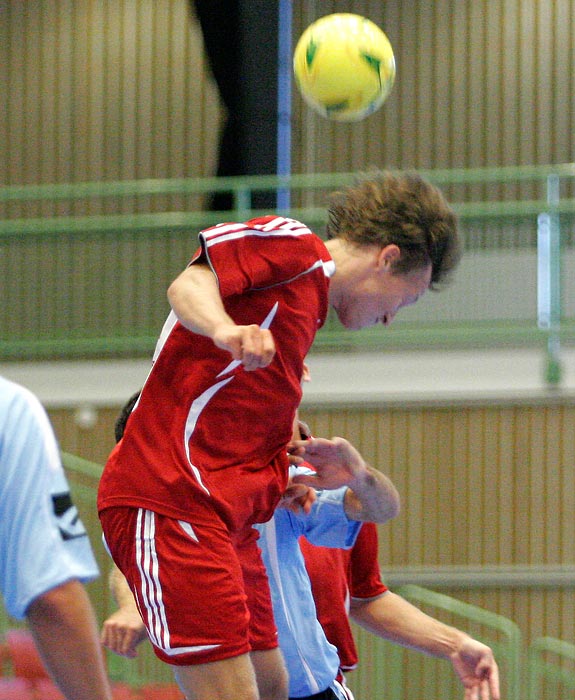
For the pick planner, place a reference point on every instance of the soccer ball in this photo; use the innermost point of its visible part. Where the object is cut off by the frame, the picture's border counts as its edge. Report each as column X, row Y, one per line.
column 344, row 66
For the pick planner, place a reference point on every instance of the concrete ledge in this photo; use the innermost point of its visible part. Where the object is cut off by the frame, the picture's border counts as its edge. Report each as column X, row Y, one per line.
column 438, row 377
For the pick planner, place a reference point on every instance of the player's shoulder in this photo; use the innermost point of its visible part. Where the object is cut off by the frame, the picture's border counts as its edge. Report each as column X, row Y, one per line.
column 278, row 224
column 257, row 228
column 13, row 395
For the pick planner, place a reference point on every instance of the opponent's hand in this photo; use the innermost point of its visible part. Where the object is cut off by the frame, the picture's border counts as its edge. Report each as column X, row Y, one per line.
column 297, row 497
column 123, row 631
column 336, row 461
column 476, row 667
column 251, row 345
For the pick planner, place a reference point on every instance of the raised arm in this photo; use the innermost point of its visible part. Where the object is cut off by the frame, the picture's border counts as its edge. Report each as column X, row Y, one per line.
column 393, row 618
column 371, row 495
column 195, row 299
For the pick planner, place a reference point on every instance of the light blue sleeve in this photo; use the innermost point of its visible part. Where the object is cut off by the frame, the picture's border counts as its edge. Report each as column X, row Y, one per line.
column 327, row 525
column 43, row 542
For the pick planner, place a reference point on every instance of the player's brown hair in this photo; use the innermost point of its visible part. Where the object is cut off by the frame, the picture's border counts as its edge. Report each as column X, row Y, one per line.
column 405, row 209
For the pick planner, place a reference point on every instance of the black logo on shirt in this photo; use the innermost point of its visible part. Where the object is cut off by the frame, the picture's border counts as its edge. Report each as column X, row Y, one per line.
column 69, row 523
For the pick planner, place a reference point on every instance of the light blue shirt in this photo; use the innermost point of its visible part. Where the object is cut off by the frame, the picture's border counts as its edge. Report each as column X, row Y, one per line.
column 43, row 543
column 312, row 662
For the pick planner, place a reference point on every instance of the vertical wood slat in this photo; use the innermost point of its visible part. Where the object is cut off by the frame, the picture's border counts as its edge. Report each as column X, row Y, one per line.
column 104, row 91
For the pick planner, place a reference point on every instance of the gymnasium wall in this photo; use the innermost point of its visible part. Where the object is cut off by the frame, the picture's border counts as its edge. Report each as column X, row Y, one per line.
column 121, row 90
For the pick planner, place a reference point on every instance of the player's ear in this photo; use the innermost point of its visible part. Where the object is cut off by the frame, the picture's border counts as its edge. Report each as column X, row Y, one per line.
column 388, row 255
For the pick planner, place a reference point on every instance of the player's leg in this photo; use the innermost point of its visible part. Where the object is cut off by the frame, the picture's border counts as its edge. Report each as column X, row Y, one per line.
column 267, row 660
column 228, row 679
column 271, row 676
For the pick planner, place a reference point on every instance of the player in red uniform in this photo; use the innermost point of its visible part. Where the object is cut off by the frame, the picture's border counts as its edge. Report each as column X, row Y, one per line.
column 348, row 582
column 204, row 453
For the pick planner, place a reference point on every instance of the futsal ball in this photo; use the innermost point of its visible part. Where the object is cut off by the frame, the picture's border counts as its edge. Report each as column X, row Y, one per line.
column 344, row 66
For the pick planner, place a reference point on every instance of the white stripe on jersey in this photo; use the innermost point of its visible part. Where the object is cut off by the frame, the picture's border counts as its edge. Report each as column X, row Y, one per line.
column 283, row 224
column 201, row 402
column 167, row 328
column 311, row 268
column 265, row 325
column 278, row 226
column 251, row 232
column 196, row 408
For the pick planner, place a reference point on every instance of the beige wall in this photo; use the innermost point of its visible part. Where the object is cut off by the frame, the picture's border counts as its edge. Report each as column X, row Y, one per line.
column 120, row 90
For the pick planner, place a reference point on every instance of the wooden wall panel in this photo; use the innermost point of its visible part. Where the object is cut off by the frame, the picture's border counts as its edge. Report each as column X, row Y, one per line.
column 103, row 90
column 478, row 83
column 121, row 90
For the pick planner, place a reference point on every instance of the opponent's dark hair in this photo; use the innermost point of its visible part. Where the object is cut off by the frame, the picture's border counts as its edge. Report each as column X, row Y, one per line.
column 122, row 419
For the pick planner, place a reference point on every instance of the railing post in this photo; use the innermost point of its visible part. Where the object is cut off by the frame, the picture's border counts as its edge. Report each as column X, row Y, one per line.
column 549, row 279
column 242, row 202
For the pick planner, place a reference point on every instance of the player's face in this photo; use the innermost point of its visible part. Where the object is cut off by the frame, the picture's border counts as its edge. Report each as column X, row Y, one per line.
column 381, row 294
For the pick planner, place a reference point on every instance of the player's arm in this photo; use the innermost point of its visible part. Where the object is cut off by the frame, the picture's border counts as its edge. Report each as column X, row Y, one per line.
column 371, row 495
column 124, row 630
column 393, row 618
column 64, row 628
column 195, row 299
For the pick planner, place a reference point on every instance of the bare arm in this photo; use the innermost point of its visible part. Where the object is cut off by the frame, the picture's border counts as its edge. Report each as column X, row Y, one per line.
column 393, row 618
column 64, row 628
column 195, row 299
column 124, row 630
column 372, row 496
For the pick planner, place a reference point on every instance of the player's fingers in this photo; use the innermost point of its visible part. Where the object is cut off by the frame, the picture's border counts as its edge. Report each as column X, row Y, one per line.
column 128, row 647
column 258, row 348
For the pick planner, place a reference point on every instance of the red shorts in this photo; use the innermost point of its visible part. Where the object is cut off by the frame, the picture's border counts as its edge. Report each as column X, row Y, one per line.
column 202, row 596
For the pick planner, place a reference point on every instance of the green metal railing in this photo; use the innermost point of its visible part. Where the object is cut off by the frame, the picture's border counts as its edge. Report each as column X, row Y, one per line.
column 502, row 634
column 85, row 266
column 551, row 668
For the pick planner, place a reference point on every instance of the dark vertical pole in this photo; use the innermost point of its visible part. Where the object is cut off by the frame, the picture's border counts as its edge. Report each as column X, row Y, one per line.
column 241, row 41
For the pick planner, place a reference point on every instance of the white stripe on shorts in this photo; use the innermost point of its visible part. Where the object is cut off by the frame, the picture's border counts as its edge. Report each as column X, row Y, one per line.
column 151, row 589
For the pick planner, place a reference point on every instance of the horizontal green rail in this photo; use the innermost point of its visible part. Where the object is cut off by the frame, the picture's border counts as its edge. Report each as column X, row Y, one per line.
column 147, row 187
column 63, row 299
column 465, row 336
column 119, row 224
column 81, row 466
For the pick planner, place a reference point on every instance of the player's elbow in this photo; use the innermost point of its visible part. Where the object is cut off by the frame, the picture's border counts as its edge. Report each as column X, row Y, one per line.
column 392, row 507
column 390, row 504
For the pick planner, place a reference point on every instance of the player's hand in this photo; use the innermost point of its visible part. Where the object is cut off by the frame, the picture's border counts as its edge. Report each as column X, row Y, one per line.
column 251, row 345
column 476, row 667
column 123, row 631
column 336, row 461
column 297, row 497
